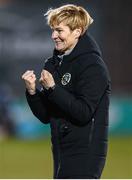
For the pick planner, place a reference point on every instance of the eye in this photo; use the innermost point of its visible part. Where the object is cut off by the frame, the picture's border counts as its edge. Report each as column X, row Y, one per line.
column 60, row 30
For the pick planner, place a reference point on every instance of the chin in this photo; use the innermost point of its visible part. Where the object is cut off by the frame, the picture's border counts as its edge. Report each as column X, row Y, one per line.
column 59, row 49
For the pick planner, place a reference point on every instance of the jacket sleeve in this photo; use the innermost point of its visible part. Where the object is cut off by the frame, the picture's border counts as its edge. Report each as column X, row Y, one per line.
column 37, row 104
column 89, row 89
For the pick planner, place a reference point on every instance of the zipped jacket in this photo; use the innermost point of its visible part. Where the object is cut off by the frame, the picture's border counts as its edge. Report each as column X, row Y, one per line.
column 77, row 110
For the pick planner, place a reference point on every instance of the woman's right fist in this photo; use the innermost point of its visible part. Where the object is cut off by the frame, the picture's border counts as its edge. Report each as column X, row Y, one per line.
column 30, row 81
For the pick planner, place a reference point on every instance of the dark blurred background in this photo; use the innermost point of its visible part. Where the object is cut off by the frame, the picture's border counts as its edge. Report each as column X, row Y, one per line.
column 25, row 43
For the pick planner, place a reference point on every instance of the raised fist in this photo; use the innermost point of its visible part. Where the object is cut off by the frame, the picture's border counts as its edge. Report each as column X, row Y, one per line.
column 30, row 81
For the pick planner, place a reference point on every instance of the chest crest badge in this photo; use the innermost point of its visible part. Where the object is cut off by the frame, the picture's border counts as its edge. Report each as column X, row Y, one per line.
column 66, row 79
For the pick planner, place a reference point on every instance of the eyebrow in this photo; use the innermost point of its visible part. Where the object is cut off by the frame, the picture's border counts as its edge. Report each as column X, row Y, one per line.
column 58, row 28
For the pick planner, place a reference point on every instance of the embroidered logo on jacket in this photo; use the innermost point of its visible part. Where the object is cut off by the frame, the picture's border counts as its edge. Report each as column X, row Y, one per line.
column 66, row 79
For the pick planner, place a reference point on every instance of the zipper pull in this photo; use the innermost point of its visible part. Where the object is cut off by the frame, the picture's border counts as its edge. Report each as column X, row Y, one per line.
column 60, row 63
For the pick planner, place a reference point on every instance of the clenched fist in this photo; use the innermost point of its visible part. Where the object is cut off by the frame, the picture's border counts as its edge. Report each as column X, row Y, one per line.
column 30, row 81
column 46, row 79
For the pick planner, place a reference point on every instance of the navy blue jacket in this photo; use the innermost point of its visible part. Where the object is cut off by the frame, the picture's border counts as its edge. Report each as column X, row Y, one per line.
column 77, row 110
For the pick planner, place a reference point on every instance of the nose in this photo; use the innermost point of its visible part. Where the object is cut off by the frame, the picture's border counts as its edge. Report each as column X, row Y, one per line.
column 54, row 34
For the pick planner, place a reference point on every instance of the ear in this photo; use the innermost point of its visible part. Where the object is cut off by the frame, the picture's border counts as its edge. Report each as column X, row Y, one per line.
column 78, row 32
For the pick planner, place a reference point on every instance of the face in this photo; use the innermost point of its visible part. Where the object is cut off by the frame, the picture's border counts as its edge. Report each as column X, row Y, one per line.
column 64, row 38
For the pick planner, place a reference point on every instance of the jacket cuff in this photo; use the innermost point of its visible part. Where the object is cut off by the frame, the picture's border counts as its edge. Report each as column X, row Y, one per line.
column 32, row 97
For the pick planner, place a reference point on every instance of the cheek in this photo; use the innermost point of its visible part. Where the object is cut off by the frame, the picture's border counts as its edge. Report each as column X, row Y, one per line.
column 69, row 41
column 65, row 37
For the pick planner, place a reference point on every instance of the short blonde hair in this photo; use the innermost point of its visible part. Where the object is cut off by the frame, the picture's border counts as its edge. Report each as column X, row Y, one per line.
column 73, row 16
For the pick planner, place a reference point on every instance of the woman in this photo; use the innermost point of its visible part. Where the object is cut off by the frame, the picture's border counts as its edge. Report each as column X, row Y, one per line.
column 75, row 96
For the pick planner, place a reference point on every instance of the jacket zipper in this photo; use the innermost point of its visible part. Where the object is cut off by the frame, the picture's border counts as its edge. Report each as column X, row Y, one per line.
column 91, row 131
column 59, row 166
column 58, row 169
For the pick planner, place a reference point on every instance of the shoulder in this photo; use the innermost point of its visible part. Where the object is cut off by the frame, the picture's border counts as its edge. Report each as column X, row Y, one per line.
column 91, row 64
column 89, row 59
column 48, row 60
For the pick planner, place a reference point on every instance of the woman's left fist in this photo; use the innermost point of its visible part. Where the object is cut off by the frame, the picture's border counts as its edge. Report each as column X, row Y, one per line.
column 46, row 79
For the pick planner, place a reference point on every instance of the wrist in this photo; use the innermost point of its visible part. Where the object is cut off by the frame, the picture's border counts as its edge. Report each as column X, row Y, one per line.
column 51, row 89
column 31, row 92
